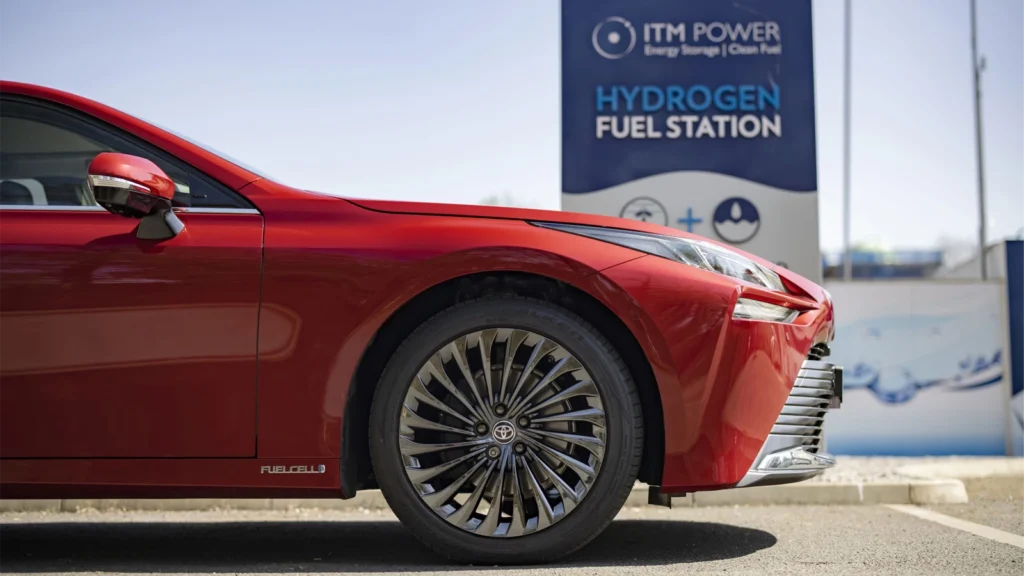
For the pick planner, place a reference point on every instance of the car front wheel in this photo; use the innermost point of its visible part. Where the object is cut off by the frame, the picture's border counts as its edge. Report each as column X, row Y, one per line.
column 506, row 430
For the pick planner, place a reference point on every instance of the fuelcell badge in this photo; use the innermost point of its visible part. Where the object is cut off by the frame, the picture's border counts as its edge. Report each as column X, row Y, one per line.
column 308, row 469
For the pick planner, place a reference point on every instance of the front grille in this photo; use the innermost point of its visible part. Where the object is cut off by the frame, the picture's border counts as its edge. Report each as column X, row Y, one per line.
column 801, row 420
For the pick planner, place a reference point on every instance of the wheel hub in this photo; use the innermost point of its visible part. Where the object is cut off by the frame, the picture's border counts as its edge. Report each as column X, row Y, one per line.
column 503, row 432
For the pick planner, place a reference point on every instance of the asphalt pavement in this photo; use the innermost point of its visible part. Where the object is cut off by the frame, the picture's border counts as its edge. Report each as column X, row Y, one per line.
column 796, row 540
column 997, row 502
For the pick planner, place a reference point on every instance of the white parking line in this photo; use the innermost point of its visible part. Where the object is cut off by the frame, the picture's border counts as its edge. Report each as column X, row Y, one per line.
column 976, row 529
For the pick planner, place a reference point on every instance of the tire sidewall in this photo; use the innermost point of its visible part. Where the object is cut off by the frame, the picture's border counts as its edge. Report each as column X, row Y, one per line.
column 618, row 468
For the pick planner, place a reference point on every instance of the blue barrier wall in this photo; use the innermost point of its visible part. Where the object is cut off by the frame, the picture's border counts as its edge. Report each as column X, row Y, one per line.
column 1015, row 301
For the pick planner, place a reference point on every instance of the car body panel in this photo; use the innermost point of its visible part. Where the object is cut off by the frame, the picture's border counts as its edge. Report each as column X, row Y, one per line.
column 328, row 264
column 532, row 215
column 116, row 347
column 170, row 478
column 330, row 273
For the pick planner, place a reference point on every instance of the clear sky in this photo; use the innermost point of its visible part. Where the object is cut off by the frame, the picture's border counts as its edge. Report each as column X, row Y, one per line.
column 455, row 101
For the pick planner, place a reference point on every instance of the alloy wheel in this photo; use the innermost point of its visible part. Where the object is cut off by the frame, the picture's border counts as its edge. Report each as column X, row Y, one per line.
column 502, row 432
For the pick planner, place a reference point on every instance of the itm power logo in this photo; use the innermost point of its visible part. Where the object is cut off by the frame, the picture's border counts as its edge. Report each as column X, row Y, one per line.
column 614, row 38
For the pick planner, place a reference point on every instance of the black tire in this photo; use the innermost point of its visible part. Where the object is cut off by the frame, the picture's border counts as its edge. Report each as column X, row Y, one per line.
column 624, row 431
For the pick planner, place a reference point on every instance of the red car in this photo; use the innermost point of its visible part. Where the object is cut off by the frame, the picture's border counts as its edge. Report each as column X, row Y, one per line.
column 174, row 324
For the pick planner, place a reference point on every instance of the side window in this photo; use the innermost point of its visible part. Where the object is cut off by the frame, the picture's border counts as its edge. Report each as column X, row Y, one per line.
column 45, row 155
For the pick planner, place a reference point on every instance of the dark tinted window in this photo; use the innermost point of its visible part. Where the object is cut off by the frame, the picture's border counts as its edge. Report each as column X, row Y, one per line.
column 45, row 154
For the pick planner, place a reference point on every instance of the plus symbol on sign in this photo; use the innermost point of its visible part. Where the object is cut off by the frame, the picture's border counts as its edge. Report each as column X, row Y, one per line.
column 689, row 220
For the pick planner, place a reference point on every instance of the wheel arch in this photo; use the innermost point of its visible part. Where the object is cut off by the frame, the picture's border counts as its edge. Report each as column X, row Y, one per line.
column 356, row 468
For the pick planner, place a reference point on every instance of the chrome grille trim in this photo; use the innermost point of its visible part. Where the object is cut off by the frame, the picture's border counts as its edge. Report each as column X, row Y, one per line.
column 790, row 420
column 791, row 451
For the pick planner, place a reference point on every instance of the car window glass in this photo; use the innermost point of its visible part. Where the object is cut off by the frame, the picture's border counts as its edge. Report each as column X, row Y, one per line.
column 45, row 155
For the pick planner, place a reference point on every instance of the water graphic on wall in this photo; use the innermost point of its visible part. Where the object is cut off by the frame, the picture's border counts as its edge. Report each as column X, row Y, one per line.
column 923, row 367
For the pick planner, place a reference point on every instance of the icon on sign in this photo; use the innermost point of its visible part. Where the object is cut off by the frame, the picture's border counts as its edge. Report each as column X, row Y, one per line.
column 645, row 209
column 736, row 220
column 690, row 220
column 614, row 38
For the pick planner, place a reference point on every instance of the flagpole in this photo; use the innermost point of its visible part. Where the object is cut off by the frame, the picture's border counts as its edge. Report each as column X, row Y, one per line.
column 847, row 252
column 978, row 66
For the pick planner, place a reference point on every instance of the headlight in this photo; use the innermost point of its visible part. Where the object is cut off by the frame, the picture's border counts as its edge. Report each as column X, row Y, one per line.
column 703, row 255
column 748, row 309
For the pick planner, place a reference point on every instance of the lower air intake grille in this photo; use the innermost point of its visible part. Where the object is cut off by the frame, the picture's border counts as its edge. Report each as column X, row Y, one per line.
column 800, row 422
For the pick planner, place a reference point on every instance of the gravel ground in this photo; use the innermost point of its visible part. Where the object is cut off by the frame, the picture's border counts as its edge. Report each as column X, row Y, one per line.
column 852, row 469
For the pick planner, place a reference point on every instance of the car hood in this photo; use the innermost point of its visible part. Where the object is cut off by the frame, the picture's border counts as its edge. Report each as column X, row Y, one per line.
column 531, row 215
column 501, row 212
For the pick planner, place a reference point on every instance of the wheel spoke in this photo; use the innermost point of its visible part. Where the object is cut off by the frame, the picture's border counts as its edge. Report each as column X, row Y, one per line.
column 592, row 415
column 414, row 420
column 490, row 524
column 458, row 352
column 420, row 475
column 512, row 344
column 485, row 343
column 569, row 497
column 412, row 448
column 547, row 515
column 436, row 369
column 540, row 349
column 437, row 499
column 584, row 388
column 461, row 516
column 518, row 525
column 577, row 439
column 583, row 470
column 564, row 366
column 419, row 391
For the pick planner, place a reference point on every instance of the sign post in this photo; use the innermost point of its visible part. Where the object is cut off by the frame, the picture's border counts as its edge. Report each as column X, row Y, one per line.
column 697, row 115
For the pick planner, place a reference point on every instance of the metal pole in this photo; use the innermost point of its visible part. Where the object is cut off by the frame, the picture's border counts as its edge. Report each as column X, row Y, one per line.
column 978, row 66
column 847, row 253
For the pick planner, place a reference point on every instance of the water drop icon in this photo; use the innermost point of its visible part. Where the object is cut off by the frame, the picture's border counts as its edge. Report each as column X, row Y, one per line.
column 736, row 212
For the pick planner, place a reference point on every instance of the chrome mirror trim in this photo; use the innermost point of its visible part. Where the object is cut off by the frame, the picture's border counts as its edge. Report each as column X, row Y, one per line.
column 97, row 180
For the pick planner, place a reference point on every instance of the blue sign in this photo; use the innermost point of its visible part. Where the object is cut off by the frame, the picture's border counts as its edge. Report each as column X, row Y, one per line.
column 652, row 87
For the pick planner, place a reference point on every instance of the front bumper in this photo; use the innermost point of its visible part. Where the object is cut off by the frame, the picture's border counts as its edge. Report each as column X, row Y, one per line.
column 794, row 449
column 722, row 381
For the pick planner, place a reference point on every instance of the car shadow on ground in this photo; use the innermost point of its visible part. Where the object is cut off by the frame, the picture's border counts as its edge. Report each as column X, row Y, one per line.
column 316, row 546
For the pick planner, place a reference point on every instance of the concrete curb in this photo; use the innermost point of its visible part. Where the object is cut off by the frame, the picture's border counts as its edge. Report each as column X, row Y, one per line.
column 923, row 491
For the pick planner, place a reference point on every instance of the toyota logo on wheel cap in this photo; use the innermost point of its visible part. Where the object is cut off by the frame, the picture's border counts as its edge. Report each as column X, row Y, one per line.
column 503, row 432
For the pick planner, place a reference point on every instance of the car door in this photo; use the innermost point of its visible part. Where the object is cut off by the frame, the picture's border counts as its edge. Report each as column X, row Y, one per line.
column 111, row 346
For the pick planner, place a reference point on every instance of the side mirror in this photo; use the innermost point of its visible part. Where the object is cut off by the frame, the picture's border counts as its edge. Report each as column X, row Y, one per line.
column 135, row 187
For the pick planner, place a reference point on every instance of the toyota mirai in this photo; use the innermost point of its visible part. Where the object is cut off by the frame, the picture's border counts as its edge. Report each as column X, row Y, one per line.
column 173, row 324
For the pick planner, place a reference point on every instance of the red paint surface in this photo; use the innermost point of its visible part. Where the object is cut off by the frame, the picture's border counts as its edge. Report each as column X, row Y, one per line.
column 112, row 346
column 325, row 274
column 134, row 169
